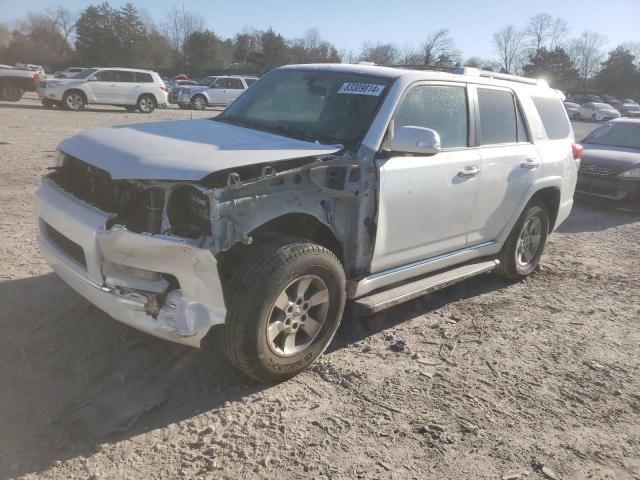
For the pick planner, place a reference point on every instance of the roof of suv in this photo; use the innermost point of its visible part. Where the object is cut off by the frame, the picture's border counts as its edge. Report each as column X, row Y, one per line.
column 468, row 74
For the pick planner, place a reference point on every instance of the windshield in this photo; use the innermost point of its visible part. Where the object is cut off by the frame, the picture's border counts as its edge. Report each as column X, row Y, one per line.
column 84, row 73
column 625, row 135
column 313, row 105
column 602, row 105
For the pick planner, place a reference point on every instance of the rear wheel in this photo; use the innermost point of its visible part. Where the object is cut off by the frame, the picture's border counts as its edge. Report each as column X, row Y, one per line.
column 199, row 102
column 521, row 253
column 146, row 103
column 73, row 100
column 285, row 303
column 593, row 117
column 11, row 93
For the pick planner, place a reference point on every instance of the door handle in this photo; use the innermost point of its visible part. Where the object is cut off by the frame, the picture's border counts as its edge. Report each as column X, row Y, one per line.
column 530, row 163
column 469, row 172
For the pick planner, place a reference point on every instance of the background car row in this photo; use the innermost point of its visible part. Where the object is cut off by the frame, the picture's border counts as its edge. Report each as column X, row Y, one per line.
column 587, row 106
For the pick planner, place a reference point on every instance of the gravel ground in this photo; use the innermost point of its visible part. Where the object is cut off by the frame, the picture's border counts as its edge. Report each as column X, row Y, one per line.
column 537, row 379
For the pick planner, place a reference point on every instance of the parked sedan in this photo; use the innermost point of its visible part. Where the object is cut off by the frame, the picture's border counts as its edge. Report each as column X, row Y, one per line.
column 610, row 167
column 629, row 109
column 571, row 108
column 597, row 112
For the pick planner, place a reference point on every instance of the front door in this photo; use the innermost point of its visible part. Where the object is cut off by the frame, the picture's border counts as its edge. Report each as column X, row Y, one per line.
column 103, row 88
column 426, row 203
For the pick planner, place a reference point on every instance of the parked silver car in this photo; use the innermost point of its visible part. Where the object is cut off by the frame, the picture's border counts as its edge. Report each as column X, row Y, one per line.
column 220, row 92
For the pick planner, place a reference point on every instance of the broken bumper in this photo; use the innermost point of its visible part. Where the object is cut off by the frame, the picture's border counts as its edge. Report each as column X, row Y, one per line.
column 119, row 271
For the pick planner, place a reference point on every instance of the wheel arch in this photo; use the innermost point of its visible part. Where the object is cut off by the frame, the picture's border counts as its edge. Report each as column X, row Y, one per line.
column 303, row 225
column 200, row 94
column 80, row 91
column 551, row 198
column 147, row 94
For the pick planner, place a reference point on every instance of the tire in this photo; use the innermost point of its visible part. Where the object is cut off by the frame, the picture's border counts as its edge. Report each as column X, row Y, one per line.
column 593, row 118
column 73, row 100
column 199, row 102
column 146, row 103
column 516, row 260
column 11, row 92
column 272, row 274
column 576, row 116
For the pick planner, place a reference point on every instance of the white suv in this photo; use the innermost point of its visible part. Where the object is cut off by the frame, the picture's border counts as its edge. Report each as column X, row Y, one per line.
column 220, row 92
column 321, row 184
column 143, row 90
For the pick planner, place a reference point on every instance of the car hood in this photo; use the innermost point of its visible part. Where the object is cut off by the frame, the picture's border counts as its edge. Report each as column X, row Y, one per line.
column 618, row 159
column 183, row 150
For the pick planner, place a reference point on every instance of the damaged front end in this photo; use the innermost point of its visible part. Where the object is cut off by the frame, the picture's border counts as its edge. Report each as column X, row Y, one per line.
column 150, row 253
column 105, row 239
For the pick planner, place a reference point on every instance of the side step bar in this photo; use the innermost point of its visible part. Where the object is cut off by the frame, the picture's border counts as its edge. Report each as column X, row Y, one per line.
column 377, row 302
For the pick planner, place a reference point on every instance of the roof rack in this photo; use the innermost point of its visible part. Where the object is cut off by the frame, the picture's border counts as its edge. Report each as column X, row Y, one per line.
column 476, row 72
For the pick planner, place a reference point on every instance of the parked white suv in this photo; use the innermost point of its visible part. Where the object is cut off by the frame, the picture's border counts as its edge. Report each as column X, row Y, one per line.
column 220, row 92
column 143, row 90
column 321, row 184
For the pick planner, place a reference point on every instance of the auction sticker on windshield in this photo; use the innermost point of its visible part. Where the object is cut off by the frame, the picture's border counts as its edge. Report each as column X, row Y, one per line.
column 361, row 89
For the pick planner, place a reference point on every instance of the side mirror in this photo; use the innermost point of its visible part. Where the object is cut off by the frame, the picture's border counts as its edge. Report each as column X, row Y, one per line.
column 415, row 140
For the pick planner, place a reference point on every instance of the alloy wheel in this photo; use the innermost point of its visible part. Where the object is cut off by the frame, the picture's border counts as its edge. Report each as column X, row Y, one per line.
column 297, row 315
column 529, row 241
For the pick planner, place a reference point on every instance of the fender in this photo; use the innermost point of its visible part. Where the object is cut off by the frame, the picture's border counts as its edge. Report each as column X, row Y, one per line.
column 541, row 183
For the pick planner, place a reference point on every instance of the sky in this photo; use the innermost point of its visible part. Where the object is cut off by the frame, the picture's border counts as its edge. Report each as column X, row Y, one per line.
column 347, row 24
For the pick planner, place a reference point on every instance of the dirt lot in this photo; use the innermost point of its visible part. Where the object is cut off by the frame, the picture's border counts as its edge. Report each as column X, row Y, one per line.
column 538, row 379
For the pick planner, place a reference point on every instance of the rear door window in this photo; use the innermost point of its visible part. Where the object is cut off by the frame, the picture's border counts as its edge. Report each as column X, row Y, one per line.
column 125, row 76
column 500, row 118
column 234, row 84
column 553, row 117
column 442, row 108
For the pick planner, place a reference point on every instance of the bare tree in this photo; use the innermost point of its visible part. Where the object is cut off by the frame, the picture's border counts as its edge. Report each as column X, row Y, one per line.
column 559, row 32
column 509, row 43
column 439, row 46
column 586, row 53
column 179, row 25
column 538, row 30
column 379, row 53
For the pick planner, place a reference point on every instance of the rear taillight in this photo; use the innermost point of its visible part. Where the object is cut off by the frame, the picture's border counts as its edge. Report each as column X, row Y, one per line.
column 164, row 89
column 577, row 150
column 36, row 78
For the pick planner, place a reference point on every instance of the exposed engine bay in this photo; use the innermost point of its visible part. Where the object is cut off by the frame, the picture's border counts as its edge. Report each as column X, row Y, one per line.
column 228, row 207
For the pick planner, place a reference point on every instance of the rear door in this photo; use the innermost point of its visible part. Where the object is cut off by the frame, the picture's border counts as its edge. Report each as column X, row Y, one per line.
column 235, row 88
column 126, row 88
column 510, row 162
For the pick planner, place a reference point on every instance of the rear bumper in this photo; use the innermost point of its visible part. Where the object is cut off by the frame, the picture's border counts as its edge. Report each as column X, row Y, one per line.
column 119, row 271
column 610, row 190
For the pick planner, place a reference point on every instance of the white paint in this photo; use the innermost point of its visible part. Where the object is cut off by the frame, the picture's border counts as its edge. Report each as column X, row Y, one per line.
column 183, row 150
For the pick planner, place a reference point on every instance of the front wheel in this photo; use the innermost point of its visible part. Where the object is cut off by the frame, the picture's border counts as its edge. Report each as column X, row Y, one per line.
column 593, row 117
column 285, row 302
column 521, row 253
column 73, row 100
column 199, row 102
column 146, row 103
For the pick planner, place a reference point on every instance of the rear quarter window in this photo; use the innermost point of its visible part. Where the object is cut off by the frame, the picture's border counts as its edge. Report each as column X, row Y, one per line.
column 143, row 77
column 553, row 117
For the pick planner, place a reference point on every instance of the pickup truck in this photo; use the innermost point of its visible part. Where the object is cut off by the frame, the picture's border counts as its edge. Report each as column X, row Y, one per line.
column 15, row 81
